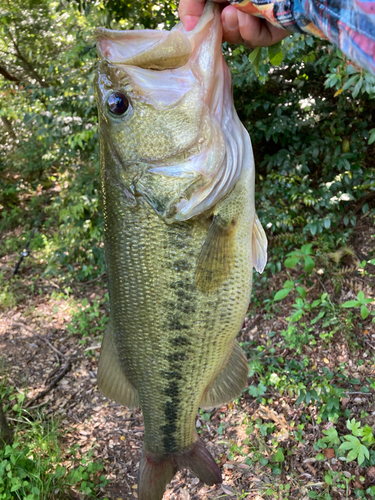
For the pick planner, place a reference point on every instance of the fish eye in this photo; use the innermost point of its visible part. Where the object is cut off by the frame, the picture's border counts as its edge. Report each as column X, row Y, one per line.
column 118, row 103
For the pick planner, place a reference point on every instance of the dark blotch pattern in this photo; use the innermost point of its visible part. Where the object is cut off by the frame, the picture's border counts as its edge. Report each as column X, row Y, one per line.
column 177, row 328
column 175, row 324
column 180, row 341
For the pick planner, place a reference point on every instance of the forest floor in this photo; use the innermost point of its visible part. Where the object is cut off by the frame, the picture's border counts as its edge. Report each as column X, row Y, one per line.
column 267, row 445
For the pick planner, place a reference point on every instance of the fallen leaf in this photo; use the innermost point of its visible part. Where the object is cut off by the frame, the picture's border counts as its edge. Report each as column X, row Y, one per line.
column 345, row 402
column 329, row 453
column 267, row 414
column 371, row 474
column 228, row 490
column 223, row 460
column 311, row 468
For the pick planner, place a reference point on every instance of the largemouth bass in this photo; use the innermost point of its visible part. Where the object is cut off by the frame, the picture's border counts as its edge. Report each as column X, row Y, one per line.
column 181, row 237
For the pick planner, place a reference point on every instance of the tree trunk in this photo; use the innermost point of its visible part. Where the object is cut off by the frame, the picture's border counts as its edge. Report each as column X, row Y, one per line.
column 8, row 126
column 5, row 433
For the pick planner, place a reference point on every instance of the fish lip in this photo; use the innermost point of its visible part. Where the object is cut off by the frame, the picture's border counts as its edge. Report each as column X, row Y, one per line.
column 135, row 47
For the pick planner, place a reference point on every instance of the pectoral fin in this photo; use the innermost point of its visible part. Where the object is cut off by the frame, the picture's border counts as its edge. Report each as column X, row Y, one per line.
column 259, row 246
column 112, row 380
column 217, row 255
column 229, row 382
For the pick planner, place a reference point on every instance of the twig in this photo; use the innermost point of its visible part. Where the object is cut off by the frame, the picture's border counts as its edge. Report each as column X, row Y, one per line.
column 369, row 343
column 39, row 405
column 282, row 320
column 59, row 353
column 53, row 372
column 363, row 201
column 54, row 382
column 24, row 326
column 92, row 348
column 361, row 393
column 83, row 283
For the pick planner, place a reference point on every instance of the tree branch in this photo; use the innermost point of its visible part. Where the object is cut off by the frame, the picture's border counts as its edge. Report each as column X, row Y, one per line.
column 8, row 126
column 8, row 76
column 28, row 65
column 57, row 379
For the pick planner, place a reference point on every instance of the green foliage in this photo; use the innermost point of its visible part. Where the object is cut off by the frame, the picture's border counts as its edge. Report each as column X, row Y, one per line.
column 357, row 445
column 34, row 467
column 7, row 298
column 88, row 319
column 27, row 475
column 303, row 254
column 330, row 439
column 361, row 302
column 257, row 391
column 310, row 145
column 51, row 61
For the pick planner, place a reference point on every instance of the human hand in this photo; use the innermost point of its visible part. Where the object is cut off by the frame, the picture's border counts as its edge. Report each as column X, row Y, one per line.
column 238, row 27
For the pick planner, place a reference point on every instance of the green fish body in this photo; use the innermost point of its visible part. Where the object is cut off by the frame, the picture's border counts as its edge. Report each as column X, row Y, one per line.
column 181, row 237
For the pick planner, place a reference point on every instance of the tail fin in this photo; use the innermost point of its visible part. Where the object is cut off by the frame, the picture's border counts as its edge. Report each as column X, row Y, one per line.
column 200, row 461
column 154, row 474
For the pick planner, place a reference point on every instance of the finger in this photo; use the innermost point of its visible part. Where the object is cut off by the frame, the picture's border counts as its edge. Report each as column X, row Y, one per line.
column 258, row 32
column 190, row 11
column 231, row 27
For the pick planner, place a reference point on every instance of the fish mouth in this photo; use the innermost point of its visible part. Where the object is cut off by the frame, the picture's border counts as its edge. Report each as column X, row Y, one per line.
column 156, row 50
column 153, row 49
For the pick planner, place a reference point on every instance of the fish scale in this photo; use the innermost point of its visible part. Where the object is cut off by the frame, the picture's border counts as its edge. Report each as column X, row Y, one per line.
column 181, row 238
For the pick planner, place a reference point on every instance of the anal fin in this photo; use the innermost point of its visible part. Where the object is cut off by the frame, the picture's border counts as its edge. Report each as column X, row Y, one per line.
column 112, row 380
column 229, row 382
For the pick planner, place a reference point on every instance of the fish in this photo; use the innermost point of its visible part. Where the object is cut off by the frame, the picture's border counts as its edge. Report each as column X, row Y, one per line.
column 181, row 237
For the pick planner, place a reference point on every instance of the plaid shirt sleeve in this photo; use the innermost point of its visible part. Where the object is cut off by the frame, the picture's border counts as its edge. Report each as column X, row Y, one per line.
column 349, row 24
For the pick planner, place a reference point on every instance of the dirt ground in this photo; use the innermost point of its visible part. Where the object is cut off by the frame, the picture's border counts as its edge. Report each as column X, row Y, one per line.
column 36, row 346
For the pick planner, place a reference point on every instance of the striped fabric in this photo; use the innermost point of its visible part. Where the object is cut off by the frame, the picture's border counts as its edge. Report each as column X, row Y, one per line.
column 349, row 24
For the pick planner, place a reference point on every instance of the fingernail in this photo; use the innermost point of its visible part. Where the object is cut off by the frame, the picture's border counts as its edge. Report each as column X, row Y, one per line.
column 231, row 21
column 190, row 22
column 242, row 18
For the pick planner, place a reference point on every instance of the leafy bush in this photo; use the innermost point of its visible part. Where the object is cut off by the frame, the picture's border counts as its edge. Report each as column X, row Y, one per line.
column 34, row 467
column 27, row 475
